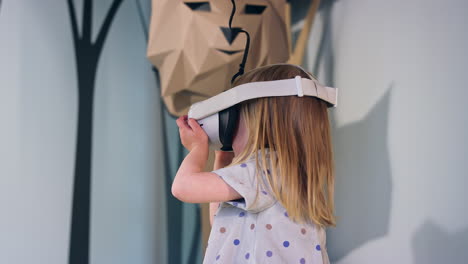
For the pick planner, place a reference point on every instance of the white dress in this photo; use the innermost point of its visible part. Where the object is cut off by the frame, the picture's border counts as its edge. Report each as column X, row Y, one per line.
column 261, row 232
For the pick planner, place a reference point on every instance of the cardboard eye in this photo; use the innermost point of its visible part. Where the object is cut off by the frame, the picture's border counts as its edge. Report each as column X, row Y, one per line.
column 199, row 6
column 254, row 9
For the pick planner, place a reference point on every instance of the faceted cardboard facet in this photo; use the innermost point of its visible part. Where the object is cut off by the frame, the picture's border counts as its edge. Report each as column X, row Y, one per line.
column 195, row 52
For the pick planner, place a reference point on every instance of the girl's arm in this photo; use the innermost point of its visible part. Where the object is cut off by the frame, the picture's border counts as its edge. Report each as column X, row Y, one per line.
column 191, row 184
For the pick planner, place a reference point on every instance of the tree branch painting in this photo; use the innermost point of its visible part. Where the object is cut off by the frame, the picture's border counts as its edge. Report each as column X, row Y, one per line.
column 87, row 56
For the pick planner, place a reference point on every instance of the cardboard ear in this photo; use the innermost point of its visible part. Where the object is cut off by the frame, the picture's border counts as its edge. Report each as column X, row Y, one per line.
column 301, row 43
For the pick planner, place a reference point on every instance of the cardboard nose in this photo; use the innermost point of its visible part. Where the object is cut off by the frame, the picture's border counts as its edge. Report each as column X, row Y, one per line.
column 229, row 34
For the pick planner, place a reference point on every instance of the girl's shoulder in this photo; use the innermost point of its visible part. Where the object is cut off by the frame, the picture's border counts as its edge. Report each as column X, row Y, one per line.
column 244, row 178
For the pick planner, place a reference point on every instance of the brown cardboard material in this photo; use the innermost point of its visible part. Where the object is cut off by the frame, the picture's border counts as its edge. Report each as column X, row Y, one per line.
column 191, row 52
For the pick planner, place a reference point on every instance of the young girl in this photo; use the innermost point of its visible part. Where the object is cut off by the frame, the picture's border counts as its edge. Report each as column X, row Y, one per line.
column 275, row 192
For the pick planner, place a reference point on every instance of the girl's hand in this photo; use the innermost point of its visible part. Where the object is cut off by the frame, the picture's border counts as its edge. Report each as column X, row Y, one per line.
column 191, row 134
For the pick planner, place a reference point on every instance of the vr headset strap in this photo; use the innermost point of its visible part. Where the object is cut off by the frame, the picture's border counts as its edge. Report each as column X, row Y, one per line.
column 297, row 86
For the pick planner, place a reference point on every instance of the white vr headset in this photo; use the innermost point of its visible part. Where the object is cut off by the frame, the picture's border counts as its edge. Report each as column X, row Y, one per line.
column 218, row 115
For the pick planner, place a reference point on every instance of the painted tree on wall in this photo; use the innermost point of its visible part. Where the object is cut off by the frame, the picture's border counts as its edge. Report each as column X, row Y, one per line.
column 87, row 55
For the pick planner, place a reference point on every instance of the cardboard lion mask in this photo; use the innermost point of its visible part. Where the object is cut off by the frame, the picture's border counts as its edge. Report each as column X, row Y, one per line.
column 196, row 53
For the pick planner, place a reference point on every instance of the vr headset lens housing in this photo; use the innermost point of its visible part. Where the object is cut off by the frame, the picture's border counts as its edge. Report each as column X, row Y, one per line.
column 220, row 128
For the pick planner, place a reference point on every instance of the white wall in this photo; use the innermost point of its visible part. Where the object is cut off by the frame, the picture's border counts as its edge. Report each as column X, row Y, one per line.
column 400, row 128
column 38, row 114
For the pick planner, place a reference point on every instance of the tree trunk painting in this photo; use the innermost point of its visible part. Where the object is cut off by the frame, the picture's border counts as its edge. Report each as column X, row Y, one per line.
column 87, row 55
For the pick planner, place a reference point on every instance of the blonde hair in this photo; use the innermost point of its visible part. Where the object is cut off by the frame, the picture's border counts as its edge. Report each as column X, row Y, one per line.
column 297, row 130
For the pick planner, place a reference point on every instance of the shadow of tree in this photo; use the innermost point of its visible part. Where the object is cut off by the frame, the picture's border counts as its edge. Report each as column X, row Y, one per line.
column 432, row 244
column 363, row 187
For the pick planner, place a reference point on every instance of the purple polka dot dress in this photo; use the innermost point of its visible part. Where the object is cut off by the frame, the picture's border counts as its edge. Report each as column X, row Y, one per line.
column 257, row 228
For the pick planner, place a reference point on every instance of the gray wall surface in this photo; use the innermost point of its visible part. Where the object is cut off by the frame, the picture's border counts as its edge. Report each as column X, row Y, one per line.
column 38, row 111
column 399, row 129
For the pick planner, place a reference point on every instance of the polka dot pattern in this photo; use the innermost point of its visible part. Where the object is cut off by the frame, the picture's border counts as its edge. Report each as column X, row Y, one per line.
column 294, row 242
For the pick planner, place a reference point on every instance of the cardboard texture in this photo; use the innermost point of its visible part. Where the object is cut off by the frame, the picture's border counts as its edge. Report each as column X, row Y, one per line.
column 195, row 52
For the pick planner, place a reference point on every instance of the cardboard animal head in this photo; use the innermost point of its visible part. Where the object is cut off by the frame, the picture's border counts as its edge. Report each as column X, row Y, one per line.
column 197, row 54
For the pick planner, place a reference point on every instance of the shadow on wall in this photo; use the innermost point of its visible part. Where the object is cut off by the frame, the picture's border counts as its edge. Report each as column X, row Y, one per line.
column 299, row 10
column 432, row 244
column 363, row 187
